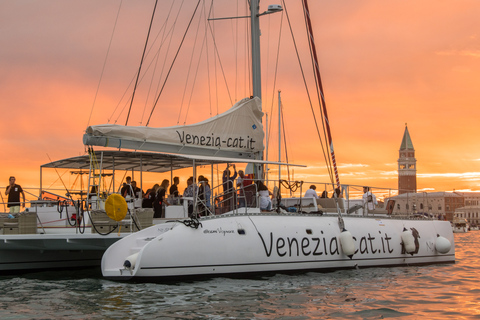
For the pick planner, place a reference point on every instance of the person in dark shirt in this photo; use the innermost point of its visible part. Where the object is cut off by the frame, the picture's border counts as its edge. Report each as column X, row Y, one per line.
column 174, row 187
column 127, row 189
column 161, row 200
column 13, row 191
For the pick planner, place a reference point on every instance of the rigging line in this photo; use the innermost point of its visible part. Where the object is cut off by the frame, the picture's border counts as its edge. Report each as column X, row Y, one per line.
column 188, row 73
column 285, row 142
column 173, row 62
column 141, row 61
column 265, row 99
column 328, row 159
column 306, row 89
column 164, row 28
column 168, row 49
column 55, row 167
column 276, row 70
column 314, row 69
column 221, row 68
column 105, row 62
column 214, row 59
column 134, row 76
column 208, row 61
column 317, row 72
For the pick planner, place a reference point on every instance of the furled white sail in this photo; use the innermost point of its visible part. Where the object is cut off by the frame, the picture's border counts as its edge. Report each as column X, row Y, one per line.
column 237, row 132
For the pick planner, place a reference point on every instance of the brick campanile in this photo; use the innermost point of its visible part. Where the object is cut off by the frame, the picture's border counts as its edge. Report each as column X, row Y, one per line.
column 407, row 167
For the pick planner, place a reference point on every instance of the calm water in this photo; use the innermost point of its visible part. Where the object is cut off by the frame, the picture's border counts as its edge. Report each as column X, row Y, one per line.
column 432, row 292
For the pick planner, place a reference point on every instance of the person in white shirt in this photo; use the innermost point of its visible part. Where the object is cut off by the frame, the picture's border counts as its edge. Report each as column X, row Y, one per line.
column 311, row 192
column 369, row 199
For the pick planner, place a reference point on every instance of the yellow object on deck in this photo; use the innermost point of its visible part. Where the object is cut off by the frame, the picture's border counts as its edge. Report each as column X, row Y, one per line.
column 116, row 207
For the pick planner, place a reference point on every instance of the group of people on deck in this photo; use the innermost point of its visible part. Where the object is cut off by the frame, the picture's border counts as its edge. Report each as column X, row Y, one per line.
column 242, row 193
column 239, row 191
column 157, row 196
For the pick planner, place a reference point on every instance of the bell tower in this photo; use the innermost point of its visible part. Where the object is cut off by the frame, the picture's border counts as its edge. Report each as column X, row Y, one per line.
column 407, row 165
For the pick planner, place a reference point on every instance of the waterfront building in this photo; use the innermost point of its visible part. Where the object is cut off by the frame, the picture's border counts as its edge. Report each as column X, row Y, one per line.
column 471, row 210
column 432, row 204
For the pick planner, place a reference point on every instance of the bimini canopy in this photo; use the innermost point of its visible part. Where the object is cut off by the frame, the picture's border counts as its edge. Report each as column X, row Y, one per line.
column 144, row 161
column 236, row 133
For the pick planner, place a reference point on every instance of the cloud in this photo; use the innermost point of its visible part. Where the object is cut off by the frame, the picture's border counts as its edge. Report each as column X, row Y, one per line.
column 465, row 53
column 461, row 175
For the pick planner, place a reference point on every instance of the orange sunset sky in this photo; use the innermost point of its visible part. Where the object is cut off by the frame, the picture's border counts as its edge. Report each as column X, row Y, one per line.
column 383, row 64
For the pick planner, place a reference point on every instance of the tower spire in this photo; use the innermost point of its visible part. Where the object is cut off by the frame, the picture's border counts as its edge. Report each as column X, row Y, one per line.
column 407, row 167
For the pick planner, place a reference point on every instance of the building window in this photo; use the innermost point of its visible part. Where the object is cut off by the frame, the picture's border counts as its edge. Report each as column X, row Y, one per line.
column 421, row 206
column 439, row 207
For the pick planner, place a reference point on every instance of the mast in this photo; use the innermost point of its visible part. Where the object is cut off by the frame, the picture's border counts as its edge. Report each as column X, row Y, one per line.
column 322, row 96
column 255, row 30
column 259, row 171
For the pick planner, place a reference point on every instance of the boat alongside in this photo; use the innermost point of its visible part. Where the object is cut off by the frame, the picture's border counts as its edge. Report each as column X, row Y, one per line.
column 60, row 231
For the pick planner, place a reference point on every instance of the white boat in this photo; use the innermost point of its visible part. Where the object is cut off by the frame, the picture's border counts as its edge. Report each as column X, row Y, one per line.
column 247, row 240
column 48, row 235
column 460, row 225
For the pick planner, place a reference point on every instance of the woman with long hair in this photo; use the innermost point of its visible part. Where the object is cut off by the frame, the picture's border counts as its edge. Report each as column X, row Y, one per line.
column 160, row 199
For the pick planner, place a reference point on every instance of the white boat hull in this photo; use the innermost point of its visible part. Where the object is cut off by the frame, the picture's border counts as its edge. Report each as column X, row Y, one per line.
column 242, row 244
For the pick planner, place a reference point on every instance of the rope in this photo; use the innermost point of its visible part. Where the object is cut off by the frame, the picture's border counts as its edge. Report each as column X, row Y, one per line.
column 104, row 63
column 173, row 63
column 293, row 186
column 323, row 147
column 192, row 223
column 141, row 61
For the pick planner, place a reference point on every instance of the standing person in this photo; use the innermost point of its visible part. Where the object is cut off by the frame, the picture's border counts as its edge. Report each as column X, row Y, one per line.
column 138, row 194
column 228, row 194
column 242, row 182
column 127, row 188
column 136, row 190
column 369, row 199
column 311, row 192
column 160, row 199
column 150, row 196
column 173, row 191
column 13, row 192
column 208, row 193
column 201, row 196
column 190, row 192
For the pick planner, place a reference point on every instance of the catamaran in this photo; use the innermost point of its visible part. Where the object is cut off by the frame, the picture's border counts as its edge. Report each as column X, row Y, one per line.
column 300, row 234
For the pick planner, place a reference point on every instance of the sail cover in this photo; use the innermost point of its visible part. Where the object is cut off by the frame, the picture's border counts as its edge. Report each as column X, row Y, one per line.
column 238, row 132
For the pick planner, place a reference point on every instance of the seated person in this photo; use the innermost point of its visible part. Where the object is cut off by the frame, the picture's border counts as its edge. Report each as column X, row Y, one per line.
column 311, row 193
column 264, row 195
column 338, row 193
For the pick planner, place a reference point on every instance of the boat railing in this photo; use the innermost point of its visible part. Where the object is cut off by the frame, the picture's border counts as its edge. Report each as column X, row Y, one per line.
column 236, row 199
